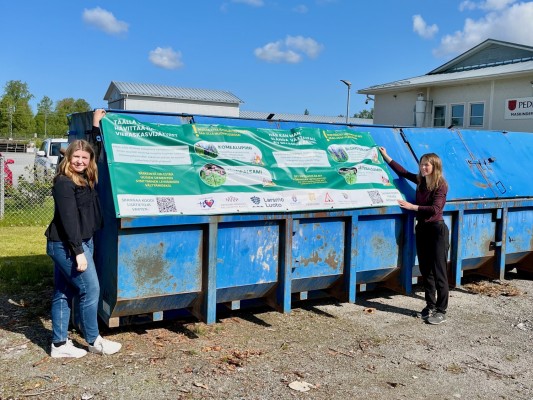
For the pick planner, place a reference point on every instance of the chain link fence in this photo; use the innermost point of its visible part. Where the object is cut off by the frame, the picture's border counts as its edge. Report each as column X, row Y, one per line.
column 25, row 198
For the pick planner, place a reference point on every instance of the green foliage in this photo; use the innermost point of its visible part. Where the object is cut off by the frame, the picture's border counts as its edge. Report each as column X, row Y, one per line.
column 59, row 120
column 44, row 112
column 17, row 119
column 366, row 114
column 16, row 115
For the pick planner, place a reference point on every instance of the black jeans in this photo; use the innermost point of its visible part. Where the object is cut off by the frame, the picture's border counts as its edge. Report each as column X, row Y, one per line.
column 432, row 244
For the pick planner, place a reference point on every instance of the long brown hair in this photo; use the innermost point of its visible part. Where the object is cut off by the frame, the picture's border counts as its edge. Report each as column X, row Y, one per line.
column 437, row 178
column 90, row 175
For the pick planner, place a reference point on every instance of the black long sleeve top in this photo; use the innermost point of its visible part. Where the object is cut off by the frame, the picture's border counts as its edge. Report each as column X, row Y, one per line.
column 430, row 202
column 77, row 214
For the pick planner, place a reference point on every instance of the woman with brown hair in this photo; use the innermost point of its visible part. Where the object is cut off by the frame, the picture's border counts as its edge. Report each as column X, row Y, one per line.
column 432, row 234
column 77, row 216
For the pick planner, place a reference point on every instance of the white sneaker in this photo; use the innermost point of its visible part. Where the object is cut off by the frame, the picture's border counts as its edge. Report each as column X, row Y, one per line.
column 67, row 350
column 104, row 346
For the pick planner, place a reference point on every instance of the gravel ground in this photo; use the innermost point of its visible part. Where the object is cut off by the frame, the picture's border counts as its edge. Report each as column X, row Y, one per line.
column 374, row 349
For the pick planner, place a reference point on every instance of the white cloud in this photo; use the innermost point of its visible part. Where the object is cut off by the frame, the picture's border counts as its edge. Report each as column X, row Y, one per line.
column 306, row 45
column 487, row 5
column 166, row 58
column 301, row 9
column 290, row 50
column 512, row 24
column 254, row 3
column 422, row 29
column 104, row 20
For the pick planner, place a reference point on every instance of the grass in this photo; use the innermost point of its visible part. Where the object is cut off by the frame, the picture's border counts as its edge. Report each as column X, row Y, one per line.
column 23, row 259
column 25, row 213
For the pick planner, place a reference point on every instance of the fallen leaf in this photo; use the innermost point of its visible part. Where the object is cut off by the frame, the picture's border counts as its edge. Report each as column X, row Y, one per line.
column 201, row 385
column 301, row 386
column 369, row 310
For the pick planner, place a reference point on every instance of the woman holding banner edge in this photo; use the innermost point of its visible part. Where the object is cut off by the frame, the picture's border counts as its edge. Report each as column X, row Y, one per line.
column 432, row 234
column 77, row 216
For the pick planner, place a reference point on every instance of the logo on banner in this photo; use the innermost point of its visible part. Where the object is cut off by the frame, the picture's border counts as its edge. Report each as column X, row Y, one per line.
column 207, row 203
column 328, row 198
column 256, row 200
column 511, row 104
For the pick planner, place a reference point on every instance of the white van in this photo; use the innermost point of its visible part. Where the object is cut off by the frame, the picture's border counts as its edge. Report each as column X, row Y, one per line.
column 47, row 155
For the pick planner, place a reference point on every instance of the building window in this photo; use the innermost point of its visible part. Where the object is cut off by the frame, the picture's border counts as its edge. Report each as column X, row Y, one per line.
column 458, row 115
column 476, row 114
column 439, row 116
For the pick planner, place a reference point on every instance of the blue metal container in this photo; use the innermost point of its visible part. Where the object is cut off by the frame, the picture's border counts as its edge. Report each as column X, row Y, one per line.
column 153, row 266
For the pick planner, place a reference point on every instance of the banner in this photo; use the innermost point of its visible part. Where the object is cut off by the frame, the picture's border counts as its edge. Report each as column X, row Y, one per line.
column 192, row 169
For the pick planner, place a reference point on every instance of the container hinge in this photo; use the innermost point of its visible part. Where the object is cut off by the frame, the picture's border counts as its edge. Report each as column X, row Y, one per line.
column 496, row 244
column 500, row 187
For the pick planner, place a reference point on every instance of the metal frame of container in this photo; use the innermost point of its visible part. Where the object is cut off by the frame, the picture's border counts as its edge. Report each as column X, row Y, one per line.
column 151, row 268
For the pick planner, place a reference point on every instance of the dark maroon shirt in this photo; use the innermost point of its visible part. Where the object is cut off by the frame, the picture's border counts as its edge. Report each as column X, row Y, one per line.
column 430, row 202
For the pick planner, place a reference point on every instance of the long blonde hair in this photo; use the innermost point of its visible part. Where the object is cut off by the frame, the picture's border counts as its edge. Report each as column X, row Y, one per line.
column 90, row 176
column 436, row 176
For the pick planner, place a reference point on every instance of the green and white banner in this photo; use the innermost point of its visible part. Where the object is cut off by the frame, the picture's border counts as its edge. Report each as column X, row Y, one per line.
column 195, row 169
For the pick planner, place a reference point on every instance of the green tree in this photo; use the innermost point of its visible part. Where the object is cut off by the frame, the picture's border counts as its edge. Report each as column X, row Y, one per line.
column 366, row 114
column 306, row 112
column 44, row 113
column 64, row 107
column 16, row 116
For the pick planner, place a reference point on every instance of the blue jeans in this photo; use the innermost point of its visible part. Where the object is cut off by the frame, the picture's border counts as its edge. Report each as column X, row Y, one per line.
column 69, row 284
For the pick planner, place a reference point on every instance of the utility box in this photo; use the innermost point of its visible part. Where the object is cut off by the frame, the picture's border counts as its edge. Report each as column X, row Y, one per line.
column 206, row 211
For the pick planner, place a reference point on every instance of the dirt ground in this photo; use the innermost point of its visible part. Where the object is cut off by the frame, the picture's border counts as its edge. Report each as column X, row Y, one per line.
column 374, row 349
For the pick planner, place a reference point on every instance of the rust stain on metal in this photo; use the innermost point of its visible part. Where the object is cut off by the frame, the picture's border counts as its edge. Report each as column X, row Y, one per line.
column 149, row 266
column 481, row 185
column 381, row 246
column 314, row 259
column 331, row 260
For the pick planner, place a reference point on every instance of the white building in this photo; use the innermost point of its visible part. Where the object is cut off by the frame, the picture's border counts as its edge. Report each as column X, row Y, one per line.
column 171, row 99
column 488, row 87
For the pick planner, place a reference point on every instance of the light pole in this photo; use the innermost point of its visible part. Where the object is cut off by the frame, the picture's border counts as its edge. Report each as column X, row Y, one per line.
column 349, row 85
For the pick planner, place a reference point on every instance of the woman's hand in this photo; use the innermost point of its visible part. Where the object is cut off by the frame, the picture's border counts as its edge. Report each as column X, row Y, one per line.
column 407, row 205
column 384, row 154
column 97, row 116
column 81, row 261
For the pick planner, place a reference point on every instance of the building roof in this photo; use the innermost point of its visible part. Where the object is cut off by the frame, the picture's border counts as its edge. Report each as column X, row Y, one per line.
column 489, row 53
column 490, row 59
column 322, row 119
column 171, row 92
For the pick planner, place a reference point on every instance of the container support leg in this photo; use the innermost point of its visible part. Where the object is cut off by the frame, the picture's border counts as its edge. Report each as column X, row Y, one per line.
column 408, row 256
column 350, row 267
column 501, row 229
column 283, row 291
column 205, row 308
column 456, row 249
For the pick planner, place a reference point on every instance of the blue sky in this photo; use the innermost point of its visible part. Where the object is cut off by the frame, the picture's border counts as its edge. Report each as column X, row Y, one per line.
column 275, row 55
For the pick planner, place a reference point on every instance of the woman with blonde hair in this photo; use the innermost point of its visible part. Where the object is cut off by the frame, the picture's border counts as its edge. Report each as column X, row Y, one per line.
column 432, row 234
column 77, row 216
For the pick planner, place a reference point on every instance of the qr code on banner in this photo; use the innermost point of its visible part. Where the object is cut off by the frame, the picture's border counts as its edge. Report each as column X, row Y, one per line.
column 166, row 204
column 375, row 197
